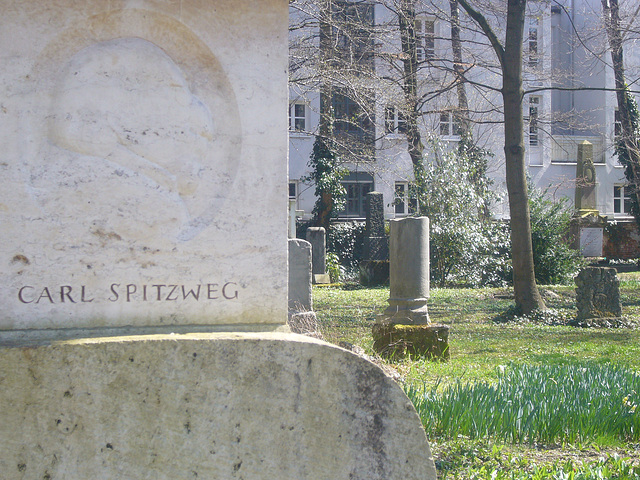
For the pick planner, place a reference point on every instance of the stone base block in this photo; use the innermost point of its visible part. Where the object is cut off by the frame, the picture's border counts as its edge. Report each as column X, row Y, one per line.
column 392, row 340
column 374, row 272
column 217, row 406
column 305, row 323
column 321, row 279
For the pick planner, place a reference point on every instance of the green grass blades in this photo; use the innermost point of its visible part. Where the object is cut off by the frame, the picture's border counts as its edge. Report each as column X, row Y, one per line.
column 590, row 403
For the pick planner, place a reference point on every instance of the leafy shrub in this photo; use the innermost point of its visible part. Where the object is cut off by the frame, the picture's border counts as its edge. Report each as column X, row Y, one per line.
column 333, row 267
column 555, row 262
column 447, row 194
column 346, row 240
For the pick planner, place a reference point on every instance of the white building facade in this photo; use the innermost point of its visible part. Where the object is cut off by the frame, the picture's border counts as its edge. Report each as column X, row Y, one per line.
column 569, row 99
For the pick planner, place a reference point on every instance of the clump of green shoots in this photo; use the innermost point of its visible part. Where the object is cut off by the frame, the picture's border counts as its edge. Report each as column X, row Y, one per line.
column 552, row 404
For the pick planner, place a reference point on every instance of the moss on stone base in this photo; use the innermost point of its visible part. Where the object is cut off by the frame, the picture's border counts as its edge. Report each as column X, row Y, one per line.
column 394, row 340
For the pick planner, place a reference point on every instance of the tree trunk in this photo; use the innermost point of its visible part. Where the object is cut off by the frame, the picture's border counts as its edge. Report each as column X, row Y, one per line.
column 458, row 69
column 524, row 281
column 407, row 22
column 527, row 296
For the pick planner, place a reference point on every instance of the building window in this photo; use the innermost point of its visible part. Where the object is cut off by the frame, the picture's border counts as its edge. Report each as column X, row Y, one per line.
column 293, row 190
column 621, row 200
column 425, row 39
column 394, row 121
column 404, row 202
column 534, row 54
column 297, row 117
column 357, row 185
column 449, row 126
column 534, row 104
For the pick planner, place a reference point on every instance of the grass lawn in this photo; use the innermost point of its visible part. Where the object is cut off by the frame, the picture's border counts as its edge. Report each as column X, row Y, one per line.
column 479, row 346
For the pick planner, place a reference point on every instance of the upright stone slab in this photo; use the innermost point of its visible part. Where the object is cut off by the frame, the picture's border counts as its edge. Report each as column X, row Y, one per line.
column 302, row 318
column 374, row 269
column 136, row 137
column 317, row 237
column 375, row 243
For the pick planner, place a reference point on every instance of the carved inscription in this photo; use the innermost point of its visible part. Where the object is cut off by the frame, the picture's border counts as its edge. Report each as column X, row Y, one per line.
column 130, row 292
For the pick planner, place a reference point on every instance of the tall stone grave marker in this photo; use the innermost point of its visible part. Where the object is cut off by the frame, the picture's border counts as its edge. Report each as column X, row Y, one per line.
column 588, row 225
column 317, row 237
column 144, row 289
column 374, row 269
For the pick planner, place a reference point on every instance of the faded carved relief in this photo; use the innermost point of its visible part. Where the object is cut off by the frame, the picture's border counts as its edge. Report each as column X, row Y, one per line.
column 132, row 147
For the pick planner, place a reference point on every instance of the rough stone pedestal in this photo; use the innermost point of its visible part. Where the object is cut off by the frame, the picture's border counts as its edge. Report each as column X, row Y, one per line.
column 213, row 406
column 598, row 297
column 404, row 327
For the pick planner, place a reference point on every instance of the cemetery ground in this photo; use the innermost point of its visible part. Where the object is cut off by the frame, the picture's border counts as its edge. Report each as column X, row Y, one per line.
column 490, row 348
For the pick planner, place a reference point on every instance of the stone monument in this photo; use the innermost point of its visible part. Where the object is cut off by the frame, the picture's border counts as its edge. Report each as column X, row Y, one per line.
column 404, row 327
column 587, row 224
column 143, row 330
column 302, row 318
column 374, row 269
column 317, row 237
column 598, row 297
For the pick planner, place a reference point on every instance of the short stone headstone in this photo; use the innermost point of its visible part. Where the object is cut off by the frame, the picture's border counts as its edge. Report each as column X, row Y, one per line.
column 302, row 318
column 300, row 293
column 597, row 295
column 317, row 237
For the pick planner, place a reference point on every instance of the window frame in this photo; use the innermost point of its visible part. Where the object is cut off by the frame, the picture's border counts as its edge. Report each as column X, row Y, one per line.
column 394, row 121
column 533, row 42
column 621, row 201
column 403, row 203
column 534, row 103
column 448, row 119
column 294, row 118
column 425, row 38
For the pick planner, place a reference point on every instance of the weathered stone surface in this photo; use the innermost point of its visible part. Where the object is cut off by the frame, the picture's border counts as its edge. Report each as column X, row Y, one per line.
column 316, row 236
column 300, row 293
column 376, row 243
column 305, row 323
column 216, row 406
column 374, row 208
column 598, row 293
column 408, row 271
column 585, row 195
column 430, row 341
column 132, row 135
column 376, row 248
